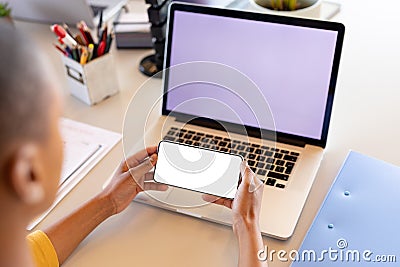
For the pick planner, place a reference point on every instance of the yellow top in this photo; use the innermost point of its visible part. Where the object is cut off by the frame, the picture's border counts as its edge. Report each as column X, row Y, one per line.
column 43, row 252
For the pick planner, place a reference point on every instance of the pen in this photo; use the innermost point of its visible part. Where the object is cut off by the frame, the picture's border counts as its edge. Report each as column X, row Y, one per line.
column 87, row 32
column 66, row 28
column 64, row 36
column 90, row 51
column 100, row 25
column 79, row 40
column 60, row 49
column 109, row 41
column 69, row 52
column 75, row 55
column 81, row 29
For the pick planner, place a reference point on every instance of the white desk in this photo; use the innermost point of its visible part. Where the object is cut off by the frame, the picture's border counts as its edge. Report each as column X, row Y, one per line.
column 365, row 118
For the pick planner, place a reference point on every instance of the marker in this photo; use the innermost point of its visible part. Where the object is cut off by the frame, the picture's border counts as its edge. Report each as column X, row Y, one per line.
column 84, row 56
column 104, row 34
column 64, row 36
column 101, row 48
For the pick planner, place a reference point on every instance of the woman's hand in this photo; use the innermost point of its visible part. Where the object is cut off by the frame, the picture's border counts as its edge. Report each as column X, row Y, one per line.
column 247, row 202
column 246, row 211
column 132, row 177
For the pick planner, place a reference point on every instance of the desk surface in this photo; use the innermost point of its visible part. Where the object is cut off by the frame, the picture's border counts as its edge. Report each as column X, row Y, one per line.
column 364, row 118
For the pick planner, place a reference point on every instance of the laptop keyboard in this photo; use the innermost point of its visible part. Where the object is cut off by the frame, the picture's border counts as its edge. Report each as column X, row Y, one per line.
column 274, row 165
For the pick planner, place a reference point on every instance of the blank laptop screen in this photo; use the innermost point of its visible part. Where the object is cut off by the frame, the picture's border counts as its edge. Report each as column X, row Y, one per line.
column 291, row 65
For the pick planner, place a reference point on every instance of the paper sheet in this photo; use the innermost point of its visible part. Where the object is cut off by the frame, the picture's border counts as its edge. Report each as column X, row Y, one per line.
column 84, row 147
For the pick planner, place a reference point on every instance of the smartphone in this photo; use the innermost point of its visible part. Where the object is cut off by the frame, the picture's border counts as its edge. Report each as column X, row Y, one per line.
column 198, row 169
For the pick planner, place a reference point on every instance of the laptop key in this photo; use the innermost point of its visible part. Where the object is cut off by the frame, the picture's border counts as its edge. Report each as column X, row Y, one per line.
column 284, row 151
column 222, row 143
column 251, row 163
column 224, row 149
column 262, row 172
column 268, row 153
column 280, row 162
column 255, row 145
column 188, row 136
column 196, row 138
column 253, row 169
column 290, row 158
column 289, row 164
column 252, row 156
column 270, row 160
column 240, row 147
column 188, row 142
column 260, row 158
column 269, row 167
column 169, row 138
column 289, row 170
column 243, row 154
column 274, row 149
column 258, row 151
column 278, row 175
column 278, row 155
column 250, row 149
column 174, row 128
column 191, row 132
column 270, row 182
column 260, row 165
column 294, row 154
column 280, row 186
column 279, row 169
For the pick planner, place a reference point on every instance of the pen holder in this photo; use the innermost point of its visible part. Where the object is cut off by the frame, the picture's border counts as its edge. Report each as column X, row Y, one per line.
column 93, row 81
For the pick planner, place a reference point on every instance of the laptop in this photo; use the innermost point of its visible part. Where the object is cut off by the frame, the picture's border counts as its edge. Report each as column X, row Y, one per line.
column 257, row 85
column 70, row 12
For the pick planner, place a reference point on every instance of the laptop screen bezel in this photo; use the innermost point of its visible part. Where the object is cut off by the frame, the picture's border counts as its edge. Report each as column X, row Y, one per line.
column 254, row 131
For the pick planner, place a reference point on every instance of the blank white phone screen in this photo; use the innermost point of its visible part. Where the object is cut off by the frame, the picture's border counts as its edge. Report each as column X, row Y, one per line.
column 198, row 169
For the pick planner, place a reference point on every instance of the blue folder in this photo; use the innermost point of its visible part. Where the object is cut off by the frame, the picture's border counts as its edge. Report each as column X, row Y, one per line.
column 360, row 218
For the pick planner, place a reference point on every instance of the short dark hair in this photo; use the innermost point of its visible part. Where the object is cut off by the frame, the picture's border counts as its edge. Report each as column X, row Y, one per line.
column 24, row 89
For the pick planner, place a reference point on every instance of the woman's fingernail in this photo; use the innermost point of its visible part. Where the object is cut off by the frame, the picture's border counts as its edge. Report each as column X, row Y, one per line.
column 153, row 158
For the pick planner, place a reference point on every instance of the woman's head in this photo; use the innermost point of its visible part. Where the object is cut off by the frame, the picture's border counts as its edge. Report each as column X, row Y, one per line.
column 30, row 142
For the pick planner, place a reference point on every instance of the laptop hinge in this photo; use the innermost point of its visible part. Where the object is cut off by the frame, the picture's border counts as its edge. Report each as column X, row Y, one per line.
column 291, row 141
column 269, row 136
